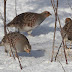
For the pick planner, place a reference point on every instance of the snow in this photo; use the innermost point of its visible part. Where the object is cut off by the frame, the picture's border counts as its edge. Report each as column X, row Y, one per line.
column 39, row 59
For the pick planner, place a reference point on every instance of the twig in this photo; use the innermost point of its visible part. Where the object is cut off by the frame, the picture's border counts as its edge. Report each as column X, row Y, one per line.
column 61, row 43
column 58, row 51
column 64, row 51
column 56, row 16
column 61, row 65
column 55, row 9
column 54, row 34
column 13, row 45
column 10, row 40
column 5, row 32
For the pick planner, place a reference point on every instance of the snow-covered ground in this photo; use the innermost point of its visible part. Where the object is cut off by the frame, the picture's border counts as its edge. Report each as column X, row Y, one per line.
column 39, row 59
